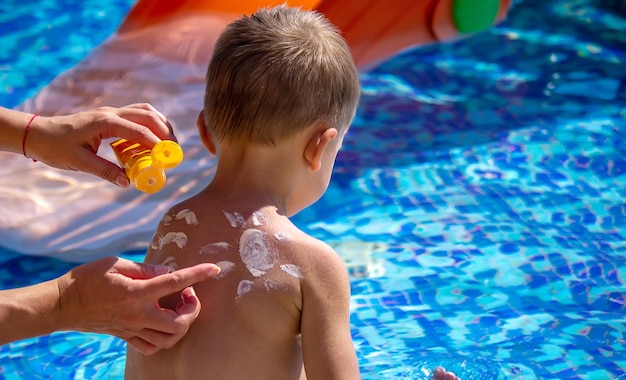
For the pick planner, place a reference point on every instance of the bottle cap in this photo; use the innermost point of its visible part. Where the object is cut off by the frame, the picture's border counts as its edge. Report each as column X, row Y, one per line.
column 147, row 177
column 167, row 153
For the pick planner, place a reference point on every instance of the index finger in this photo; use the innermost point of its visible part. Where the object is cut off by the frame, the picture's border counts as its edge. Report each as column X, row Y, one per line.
column 166, row 284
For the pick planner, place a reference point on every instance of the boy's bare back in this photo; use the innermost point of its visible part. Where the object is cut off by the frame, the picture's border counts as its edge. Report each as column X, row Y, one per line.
column 251, row 318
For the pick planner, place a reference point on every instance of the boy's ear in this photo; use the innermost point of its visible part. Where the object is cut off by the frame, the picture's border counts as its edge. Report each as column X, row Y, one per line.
column 205, row 135
column 316, row 145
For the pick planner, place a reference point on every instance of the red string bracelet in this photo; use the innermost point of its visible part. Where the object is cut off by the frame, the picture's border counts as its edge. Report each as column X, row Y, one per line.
column 26, row 134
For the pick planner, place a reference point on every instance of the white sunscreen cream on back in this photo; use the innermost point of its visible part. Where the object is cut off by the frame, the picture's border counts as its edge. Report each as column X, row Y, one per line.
column 255, row 252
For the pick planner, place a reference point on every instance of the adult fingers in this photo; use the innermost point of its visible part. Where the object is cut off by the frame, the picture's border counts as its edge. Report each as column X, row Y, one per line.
column 138, row 123
column 174, row 325
column 160, row 339
column 146, row 115
column 166, row 284
column 134, row 125
column 164, row 321
column 143, row 346
column 147, row 107
column 189, row 304
column 88, row 162
column 164, row 327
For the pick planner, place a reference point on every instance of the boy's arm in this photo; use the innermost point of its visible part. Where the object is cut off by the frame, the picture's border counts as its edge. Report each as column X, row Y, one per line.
column 327, row 347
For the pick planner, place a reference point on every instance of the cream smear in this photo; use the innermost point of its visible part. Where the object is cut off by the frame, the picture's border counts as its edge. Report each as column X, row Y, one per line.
column 255, row 252
column 156, row 242
column 244, row 287
column 282, row 236
column 292, row 270
column 170, row 262
column 166, row 219
column 174, row 237
column 225, row 266
column 273, row 285
column 235, row 219
column 212, row 248
column 259, row 218
column 189, row 216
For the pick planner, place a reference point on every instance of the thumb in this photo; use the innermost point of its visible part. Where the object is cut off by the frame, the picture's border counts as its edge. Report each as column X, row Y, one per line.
column 189, row 303
column 91, row 163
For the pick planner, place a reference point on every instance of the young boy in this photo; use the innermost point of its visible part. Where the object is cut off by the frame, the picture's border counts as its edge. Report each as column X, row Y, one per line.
column 282, row 90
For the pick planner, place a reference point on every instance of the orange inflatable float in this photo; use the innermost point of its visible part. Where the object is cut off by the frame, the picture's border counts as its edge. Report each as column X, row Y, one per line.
column 375, row 29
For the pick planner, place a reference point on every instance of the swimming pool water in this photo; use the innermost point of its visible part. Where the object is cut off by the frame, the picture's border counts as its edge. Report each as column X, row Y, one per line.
column 40, row 39
column 479, row 200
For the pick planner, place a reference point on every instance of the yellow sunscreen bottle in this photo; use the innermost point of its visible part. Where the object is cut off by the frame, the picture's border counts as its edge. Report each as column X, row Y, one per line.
column 144, row 167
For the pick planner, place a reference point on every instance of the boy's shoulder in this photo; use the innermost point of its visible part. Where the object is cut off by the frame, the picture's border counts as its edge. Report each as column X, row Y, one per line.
column 319, row 261
column 297, row 241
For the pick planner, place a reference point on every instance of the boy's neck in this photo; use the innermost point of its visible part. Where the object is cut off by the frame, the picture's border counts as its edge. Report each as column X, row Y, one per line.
column 260, row 175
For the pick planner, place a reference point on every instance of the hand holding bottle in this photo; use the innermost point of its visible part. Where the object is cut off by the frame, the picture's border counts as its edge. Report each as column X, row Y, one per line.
column 71, row 142
column 146, row 167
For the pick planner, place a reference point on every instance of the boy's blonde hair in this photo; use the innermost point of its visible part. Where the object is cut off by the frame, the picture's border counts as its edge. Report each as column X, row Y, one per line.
column 277, row 72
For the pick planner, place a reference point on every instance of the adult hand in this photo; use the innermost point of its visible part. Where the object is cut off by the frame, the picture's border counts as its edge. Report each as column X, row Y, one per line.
column 70, row 142
column 120, row 297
